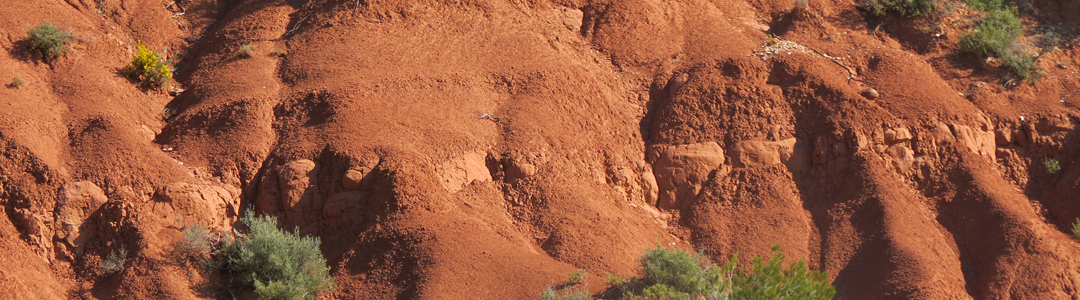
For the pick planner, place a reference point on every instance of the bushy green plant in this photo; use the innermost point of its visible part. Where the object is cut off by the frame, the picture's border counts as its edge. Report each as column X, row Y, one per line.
column 996, row 35
column 677, row 270
column 1076, row 228
column 17, row 82
column 904, row 8
column 577, row 277
column 987, row 5
column 114, row 263
column 570, row 294
column 663, row 292
column 996, row 32
column 195, row 244
column 148, row 66
column 1052, row 166
column 674, row 274
column 279, row 264
column 49, row 39
column 768, row 280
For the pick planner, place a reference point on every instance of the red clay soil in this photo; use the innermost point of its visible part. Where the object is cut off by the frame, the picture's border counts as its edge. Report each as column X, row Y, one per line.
column 484, row 149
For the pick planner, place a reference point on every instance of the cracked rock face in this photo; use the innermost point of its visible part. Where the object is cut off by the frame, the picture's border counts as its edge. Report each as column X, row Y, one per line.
column 78, row 201
column 681, row 169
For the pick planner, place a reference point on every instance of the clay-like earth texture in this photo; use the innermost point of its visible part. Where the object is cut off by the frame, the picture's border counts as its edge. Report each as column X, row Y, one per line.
column 483, row 149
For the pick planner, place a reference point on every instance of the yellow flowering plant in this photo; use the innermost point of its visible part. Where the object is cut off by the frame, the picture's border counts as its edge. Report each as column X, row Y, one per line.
column 148, row 66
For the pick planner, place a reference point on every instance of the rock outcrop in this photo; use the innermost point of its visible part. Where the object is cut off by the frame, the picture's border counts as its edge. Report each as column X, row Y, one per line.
column 680, row 170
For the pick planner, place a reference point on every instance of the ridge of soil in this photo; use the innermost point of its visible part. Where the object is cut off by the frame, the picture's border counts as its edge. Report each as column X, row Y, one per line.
column 484, row 149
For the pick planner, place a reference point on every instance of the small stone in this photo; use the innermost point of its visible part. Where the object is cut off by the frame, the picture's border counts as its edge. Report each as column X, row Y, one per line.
column 898, row 135
column 1003, row 137
column 176, row 92
column 517, row 170
column 870, row 94
column 146, row 133
column 351, row 181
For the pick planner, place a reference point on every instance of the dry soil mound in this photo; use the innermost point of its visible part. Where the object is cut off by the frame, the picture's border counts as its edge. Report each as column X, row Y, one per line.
column 483, row 149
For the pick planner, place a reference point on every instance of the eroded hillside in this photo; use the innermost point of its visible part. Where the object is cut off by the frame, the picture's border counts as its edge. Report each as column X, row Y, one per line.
column 484, row 149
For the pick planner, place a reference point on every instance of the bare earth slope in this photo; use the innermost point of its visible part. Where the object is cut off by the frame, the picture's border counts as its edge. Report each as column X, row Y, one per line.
column 483, row 149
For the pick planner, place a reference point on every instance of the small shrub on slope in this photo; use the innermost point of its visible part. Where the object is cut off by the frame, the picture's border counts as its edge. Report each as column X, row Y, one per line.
column 578, row 277
column 768, row 280
column 49, row 39
column 114, row 263
column 16, row 82
column 246, row 50
column 996, row 35
column 149, row 67
column 905, row 8
column 674, row 275
column 195, row 244
column 570, row 294
column 279, row 264
column 1052, row 166
column 1076, row 228
column 987, row 5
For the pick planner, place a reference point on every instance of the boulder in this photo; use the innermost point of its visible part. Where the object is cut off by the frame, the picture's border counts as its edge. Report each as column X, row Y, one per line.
column 456, row 174
column 649, row 187
column 268, row 200
column 902, row 157
column 297, row 179
column 897, row 135
column 978, row 141
column 77, row 202
column 518, row 169
column 356, row 179
column 147, row 133
column 753, row 154
column 870, row 94
column 681, row 169
column 942, row 133
column 1003, row 137
column 572, row 18
column 204, row 204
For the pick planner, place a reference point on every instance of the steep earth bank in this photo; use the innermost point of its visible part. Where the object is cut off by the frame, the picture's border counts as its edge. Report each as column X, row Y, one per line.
column 484, row 149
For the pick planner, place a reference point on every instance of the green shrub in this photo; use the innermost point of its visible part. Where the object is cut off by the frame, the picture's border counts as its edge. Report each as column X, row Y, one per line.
column 674, row 275
column 114, row 263
column 663, row 292
column 148, row 66
column 578, row 277
column 17, row 82
column 195, row 244
column 1052, row 166
column 677, row 270
column 280, row 265
column 987, row 5
column 49, row 39
column 996, row 35
column 1076, row 228
column 768, row 280
column 904, row 8
column 570, row 294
